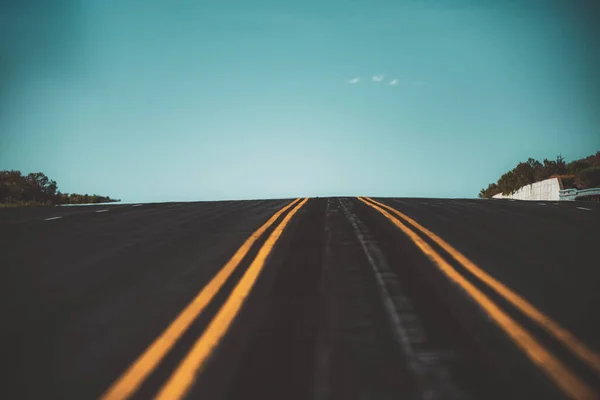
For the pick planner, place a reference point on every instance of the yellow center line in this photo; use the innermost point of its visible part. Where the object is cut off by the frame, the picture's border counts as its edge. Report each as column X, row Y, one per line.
column 137, row 372
column 182, row 379
column 570, row 383
column 577, row 347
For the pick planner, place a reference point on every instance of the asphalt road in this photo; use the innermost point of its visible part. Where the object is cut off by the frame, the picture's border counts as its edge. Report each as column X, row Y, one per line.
column 326, row 298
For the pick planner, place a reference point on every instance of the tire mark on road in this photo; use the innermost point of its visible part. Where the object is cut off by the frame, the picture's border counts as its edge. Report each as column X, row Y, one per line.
column 432, row 376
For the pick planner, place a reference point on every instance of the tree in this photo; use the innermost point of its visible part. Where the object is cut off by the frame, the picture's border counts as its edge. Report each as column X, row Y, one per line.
column 593, row 160
column 537, row 169
column 576, row 166
column 528, row 172
column 561, row 165
column 508, row 183
column 40, row 188
column 491, row 190
column 558, row 167
column 12, row 186
column 37, row 189
column 588, row 178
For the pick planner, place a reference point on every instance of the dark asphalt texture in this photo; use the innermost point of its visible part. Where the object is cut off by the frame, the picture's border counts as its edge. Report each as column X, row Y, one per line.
column 85, row 294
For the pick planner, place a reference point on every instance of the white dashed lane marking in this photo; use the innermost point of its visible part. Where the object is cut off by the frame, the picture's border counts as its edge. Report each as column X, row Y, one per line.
column 101, row 211
column 583, row 208
column 51, row 218
column 136, row 205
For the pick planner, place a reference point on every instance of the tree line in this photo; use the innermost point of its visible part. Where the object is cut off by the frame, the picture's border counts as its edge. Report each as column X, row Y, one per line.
column 37, row 189
column 580, row 174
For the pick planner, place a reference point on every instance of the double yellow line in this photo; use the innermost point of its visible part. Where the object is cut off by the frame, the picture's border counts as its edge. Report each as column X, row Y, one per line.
column 566, row 380
column 183, row 377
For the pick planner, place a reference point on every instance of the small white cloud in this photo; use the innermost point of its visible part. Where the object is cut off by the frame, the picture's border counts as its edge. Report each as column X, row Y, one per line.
column 377, row 78
column 394, row 82
column 354, row 80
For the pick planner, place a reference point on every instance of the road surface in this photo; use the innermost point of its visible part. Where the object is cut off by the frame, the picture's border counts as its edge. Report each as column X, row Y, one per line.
column 321, row 298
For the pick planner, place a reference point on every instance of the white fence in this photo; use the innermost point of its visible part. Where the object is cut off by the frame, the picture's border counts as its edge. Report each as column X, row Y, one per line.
column 548, row 189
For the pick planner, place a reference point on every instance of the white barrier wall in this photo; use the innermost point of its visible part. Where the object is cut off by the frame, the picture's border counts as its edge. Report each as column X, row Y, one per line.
column 544, row 190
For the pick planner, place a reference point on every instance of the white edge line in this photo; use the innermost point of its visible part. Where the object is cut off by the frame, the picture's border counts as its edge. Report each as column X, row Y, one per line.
column 51, row 218
column 583, row 208
column 102, row 210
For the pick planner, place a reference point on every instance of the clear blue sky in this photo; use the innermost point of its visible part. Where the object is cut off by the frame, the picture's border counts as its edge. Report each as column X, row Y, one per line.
column 215, row 99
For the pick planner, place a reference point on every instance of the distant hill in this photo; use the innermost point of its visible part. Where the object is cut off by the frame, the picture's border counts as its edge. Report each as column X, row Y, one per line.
column 36, row 189
column 581, row 174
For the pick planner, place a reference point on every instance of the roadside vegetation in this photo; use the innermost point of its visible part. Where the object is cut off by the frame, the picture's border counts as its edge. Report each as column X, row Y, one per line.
column 579, row 174
column 36, row 189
